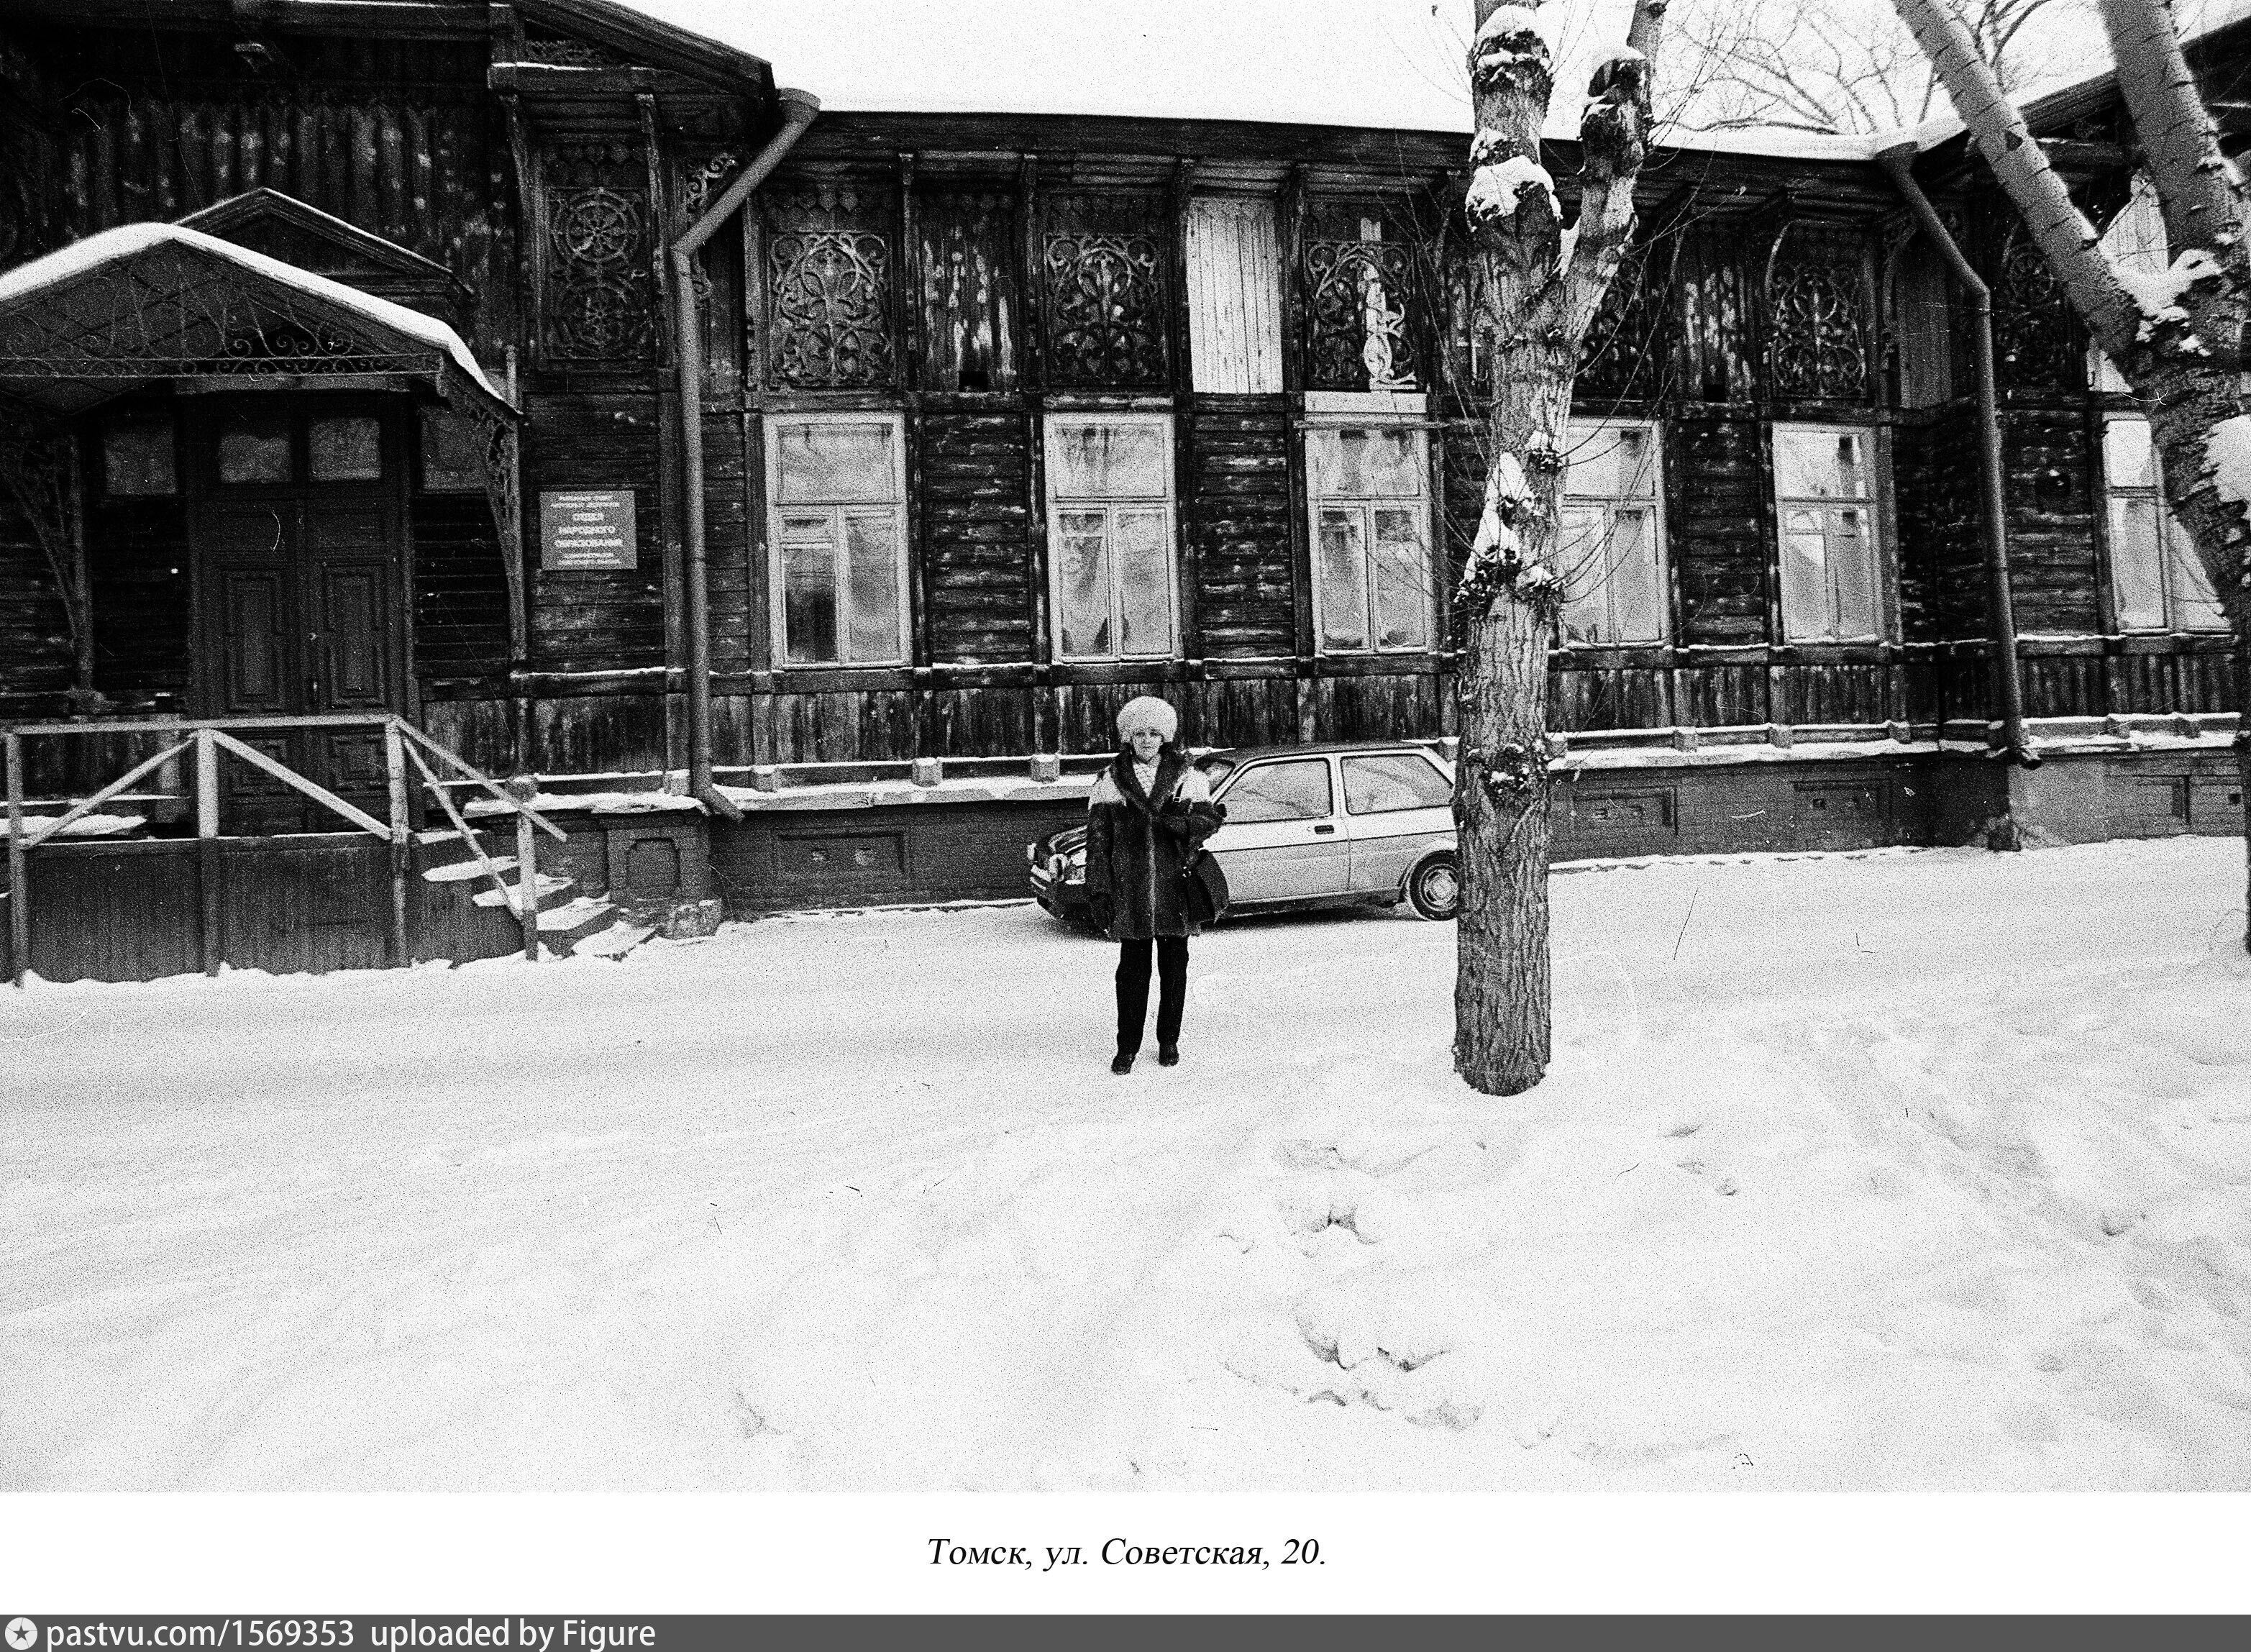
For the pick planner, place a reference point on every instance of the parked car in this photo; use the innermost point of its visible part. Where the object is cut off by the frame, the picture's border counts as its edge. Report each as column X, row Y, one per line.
column 1307, row 826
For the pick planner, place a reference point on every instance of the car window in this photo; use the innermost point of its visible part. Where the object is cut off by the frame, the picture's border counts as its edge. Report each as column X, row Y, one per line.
column 1392, row 780
column 1295, row 790
column 1215, row 771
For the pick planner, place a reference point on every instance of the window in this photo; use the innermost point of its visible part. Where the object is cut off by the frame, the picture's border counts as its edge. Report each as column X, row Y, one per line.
column 1371, row 538
column 2155, row 574
column 346, row 450
column 254, row 448
column 2134, row 241
column 836, row 488
column 1393, row 780
column 1824, row 503
column 1109, row 535
column 1295, row 790
column 1613, row 587
column 138, row 458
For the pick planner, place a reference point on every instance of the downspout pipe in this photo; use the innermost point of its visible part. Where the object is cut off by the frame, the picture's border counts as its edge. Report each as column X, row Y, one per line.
column 798, row 110
column 1899, row 164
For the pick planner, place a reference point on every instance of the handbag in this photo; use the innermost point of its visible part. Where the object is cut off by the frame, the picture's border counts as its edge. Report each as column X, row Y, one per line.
column 1203, row 885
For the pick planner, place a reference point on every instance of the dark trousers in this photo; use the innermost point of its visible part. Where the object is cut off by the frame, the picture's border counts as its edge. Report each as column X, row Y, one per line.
column 1133, row 989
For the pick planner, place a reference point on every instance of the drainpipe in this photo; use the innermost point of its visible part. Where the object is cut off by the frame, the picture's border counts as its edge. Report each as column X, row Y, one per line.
column 798, row 110
column 1898, row 162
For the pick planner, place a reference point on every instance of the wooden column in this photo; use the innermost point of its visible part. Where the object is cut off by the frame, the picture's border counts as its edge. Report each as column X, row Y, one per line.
column 1183, row 386
column 394, row 769
column 207, row 848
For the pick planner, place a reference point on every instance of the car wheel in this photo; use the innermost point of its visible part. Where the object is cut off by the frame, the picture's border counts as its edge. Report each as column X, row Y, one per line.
column 1434, row 889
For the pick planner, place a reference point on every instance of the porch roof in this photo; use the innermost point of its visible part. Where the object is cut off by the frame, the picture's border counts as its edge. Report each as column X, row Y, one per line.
column 145, row 302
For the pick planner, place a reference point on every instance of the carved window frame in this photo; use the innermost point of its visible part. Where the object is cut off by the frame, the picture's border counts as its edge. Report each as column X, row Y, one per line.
column 1651, row 559
column 838, row 512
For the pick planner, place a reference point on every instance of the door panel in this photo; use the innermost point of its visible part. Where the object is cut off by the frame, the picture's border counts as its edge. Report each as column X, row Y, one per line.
column 1283, row 840
column 352, row 669
column 1398, row 806
column 254, row 673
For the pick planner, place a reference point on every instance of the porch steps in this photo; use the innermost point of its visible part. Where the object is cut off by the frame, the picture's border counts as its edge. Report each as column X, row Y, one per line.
column 461, row 871
column 546, row 885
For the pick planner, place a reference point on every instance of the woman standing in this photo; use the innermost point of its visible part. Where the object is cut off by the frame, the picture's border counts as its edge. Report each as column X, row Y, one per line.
column 1149, row 813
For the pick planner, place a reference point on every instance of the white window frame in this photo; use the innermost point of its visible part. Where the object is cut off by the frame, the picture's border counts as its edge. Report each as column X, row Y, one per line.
column 1870, row 506
column 1418, row 503
column 839, row 510
column 1583, row 432
column 2175, row 549
column 1056, row 425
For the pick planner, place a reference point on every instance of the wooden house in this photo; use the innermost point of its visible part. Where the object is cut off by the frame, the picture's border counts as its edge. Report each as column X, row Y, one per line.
column 804, row 492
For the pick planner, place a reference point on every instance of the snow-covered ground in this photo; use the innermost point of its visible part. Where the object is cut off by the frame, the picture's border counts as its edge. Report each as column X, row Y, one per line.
column 1899, row 1171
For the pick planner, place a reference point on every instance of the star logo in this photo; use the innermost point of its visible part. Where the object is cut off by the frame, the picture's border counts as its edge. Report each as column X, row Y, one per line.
column 23, row 1634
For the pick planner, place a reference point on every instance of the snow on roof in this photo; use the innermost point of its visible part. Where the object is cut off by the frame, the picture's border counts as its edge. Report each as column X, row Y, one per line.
column 129, row 241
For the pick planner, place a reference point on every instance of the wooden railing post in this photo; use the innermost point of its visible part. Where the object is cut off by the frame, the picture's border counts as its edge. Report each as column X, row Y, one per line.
column 19, row 888
column 527, row 866
column 207, row 847
column 394, row 769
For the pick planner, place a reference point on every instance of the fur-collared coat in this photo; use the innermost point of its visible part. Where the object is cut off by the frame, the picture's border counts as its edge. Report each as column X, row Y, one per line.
column 1137, row 844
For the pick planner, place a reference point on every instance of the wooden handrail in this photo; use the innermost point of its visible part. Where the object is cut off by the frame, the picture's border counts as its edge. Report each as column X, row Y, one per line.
column 485, row 780
column 80, row 810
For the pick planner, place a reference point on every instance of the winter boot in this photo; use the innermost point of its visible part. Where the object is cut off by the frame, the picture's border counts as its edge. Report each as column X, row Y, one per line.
column 1169, row 1055
column 1122, row 1062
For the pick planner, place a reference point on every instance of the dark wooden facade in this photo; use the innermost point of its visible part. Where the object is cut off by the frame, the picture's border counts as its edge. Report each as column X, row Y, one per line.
column 515, row 171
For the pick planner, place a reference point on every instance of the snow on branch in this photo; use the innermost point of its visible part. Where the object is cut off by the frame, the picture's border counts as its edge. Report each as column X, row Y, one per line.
column 1497, row 190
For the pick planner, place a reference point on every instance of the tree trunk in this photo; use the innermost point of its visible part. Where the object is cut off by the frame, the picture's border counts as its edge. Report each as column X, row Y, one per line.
column 1537, row 292
column 2179, row 338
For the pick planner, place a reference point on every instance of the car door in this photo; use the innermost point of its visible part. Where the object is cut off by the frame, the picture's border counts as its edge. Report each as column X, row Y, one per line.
column 1283, row 840
column 1398, row 806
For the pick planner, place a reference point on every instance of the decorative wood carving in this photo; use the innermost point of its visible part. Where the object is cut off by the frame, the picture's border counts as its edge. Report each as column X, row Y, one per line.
column 1106, row 318
column 830, row 277
column 1818, row 344
column 1621, row 355
column 1357, row 300
column 2032, row 335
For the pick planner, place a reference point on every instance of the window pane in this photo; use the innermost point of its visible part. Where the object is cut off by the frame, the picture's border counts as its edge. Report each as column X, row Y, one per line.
column 2136, row 548
column 1610, row 461
column 1852, row 573
column 1107, row 460
column 809, row 571
column 871, row 555
column 1582, row 558
column 1342, row 566
column 2194, row 606
column 1280, row 791
column 1083, row 583
column 841, row 464
column 1636, row 594
column 453, row 453
column 1821, row 464
column 1402, row 581
column 1144, row 581
column 1805, row 575
column 2129, row 460
column 1381, row 462
column 1396, row 780
column 254, row 448
column 346, row 450
column 138, row 458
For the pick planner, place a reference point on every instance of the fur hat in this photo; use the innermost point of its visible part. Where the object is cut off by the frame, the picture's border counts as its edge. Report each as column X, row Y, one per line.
column 1146, row 710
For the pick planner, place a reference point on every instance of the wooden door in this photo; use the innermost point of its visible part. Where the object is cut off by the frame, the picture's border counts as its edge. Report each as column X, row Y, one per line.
column 299, row 530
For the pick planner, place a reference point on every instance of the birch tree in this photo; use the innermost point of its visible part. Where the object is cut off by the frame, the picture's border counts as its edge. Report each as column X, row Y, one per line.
column 2177, row 335
column 1538, row 287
